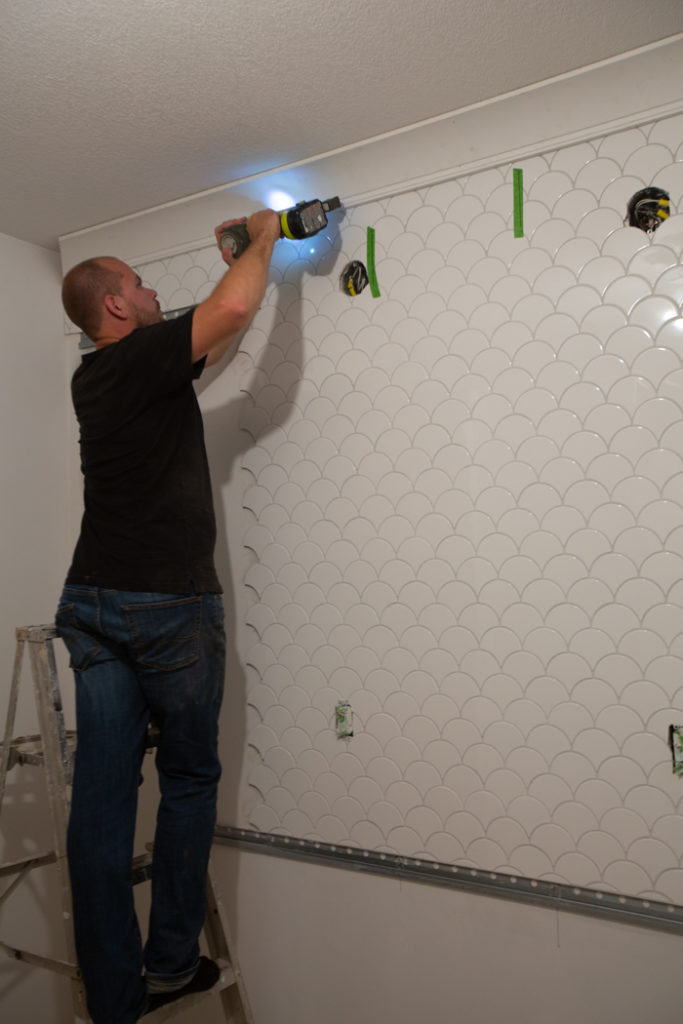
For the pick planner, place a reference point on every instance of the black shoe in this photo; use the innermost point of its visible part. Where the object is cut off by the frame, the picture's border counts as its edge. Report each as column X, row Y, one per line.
column 205, row 977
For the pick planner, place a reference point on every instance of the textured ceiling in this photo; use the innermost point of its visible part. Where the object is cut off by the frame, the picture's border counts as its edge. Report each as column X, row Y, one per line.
column 110, row 108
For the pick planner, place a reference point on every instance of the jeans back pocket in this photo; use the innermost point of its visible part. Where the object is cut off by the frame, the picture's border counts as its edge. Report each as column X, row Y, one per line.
column 165, row 634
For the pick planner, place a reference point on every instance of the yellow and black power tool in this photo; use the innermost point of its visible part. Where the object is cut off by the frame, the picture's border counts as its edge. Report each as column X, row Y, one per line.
column 301, row 221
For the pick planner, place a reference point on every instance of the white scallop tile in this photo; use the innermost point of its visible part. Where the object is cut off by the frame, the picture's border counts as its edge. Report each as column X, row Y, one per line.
column 489, row 317
column 624, row 243
column 549, row 187
column 485, row 227
column 599, row 225
column 661, row 366
column 652, row 263
column 671, row 232
column 551, row 234
column 574, row 205
column 621, row 145
column 603, row 321
column 647, row 161
column 597, row 175
column 601, row 272
column 601, row 849
column 670, row 284
column 628, row 343
column 652, row 312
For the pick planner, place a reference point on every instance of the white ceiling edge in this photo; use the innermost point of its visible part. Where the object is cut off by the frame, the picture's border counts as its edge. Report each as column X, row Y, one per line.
column 633, row 88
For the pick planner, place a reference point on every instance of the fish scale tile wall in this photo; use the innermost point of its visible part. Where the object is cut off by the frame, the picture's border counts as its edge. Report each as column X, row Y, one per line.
column 465, row 516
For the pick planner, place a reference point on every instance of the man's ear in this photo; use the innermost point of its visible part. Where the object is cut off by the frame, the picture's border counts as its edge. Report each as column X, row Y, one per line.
column 114, row 305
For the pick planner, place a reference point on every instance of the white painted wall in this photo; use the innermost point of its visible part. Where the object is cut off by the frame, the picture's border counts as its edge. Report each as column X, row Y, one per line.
column 320, row 944
column 36, row 469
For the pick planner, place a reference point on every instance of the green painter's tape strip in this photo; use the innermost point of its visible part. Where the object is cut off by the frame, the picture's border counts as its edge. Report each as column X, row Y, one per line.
column 370, row 262
column 518, row 193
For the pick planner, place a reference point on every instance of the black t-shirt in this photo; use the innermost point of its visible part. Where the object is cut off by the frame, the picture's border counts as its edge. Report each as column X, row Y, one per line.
column 149, row 523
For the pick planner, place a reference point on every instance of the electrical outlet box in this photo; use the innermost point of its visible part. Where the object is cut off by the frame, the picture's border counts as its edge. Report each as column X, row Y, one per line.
column 676, row 744
column 343, row 717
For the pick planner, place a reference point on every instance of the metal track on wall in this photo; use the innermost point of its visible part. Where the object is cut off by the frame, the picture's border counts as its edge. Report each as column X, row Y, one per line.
column 625, row 909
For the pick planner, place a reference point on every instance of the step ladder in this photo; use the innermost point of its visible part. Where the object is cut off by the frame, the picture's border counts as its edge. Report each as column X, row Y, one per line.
column 53, row 749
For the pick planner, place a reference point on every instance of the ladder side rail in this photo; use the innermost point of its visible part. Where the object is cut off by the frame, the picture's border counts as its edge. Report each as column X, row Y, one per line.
column 56, row 762
column 11, row 715
column 53, row 733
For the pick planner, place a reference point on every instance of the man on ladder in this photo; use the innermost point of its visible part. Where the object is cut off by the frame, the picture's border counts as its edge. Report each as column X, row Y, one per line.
column 142, row 617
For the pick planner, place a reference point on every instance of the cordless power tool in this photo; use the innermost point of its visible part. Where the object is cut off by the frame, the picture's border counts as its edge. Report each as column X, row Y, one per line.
column 298, row 222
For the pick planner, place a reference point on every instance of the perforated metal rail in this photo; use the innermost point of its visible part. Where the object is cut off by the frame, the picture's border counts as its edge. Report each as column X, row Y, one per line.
column 629, row 909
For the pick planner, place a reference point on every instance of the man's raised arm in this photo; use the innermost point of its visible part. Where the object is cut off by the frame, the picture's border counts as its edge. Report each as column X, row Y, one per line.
column 236, row 298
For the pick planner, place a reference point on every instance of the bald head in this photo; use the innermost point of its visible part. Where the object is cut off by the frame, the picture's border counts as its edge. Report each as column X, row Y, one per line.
column 84, row 289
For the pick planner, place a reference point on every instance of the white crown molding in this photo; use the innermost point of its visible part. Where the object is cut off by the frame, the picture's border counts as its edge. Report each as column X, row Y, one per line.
column 642, row 86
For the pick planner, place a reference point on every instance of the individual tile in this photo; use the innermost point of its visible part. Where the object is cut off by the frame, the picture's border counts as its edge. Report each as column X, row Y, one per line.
column 601, row 848
column 536, row 214
column 603, row 321
column 670, row 233
column 658, row 414
column 578, row 302
column 652, row 264
column 549, row 187
column 599, row 225
column 572, row 815
column 576, row 254
column 596, row 175
column 483, row 183
column 624, row 243
column 670, row 284
column 628, row 343
column 574, row 205
column 425, row 822
column 530, row 813
column 601, row 272
column 554, row 282
column 551, row 234
column 661, row 367
column 648, row 161
column 421, row 222
column 620, row 145
column 552, row 791
column 555, row 840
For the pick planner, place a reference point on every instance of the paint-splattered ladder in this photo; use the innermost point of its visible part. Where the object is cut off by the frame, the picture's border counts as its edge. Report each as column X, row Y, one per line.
column 53, row 750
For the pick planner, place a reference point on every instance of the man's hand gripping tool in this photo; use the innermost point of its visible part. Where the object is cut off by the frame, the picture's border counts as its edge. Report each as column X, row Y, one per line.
column 300, row 221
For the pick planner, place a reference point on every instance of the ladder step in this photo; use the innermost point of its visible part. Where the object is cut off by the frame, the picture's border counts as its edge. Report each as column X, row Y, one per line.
column 226, row 979
column 50, row 963
column 36, row 860
column 29, row 749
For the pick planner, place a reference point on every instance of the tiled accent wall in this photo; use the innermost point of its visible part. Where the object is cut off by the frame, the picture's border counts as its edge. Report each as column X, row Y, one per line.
column 465, row 516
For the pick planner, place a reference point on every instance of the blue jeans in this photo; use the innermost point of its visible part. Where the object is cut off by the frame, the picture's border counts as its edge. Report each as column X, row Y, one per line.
column 139, row 657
